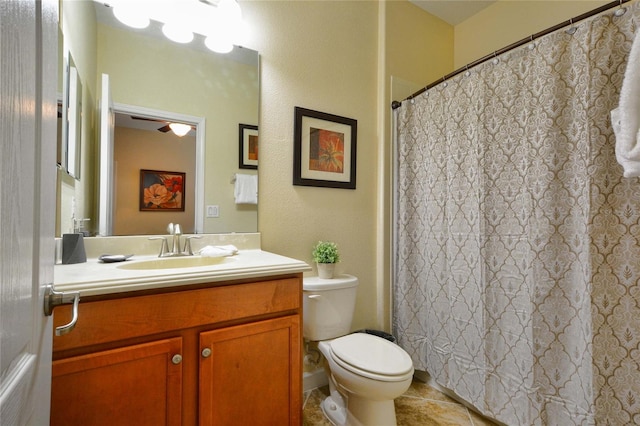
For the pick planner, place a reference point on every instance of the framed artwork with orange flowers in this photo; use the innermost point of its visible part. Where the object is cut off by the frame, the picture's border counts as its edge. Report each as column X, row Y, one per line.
column 161, row 190
column 324, row 150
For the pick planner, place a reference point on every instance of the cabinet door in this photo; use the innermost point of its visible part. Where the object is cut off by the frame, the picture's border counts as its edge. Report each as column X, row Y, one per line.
column 251, row 374
column 134, row 385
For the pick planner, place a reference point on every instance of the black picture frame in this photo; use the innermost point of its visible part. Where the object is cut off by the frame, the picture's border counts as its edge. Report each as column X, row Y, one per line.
column 248, row 146
column 324, row 150
column 161, row 190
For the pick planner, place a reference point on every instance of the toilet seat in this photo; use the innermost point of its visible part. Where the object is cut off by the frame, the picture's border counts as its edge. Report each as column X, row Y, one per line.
column 372, row 357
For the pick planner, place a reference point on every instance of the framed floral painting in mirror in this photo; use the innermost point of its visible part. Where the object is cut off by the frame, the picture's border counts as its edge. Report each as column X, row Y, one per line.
column 161, row 190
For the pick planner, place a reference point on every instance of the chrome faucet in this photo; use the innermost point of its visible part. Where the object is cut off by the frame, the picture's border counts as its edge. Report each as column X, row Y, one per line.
column 187, row 244
column 175, row 232
column 164, row 249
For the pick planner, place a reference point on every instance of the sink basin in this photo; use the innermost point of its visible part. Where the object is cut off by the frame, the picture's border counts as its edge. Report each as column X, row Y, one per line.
column 175, row 262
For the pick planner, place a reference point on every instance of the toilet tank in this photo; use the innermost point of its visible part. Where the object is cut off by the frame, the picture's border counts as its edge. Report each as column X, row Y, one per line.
column 328, row 306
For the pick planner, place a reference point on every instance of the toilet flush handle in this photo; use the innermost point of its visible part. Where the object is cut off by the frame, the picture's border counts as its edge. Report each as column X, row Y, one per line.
column 315, row 296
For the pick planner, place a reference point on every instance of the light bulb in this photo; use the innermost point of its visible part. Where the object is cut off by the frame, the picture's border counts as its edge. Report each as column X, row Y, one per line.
column 131, row 14
column 218, row 44
column 177, row 33
column 180, row 129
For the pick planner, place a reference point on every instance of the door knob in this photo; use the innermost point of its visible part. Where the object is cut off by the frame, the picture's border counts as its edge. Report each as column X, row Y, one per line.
column 54, row 298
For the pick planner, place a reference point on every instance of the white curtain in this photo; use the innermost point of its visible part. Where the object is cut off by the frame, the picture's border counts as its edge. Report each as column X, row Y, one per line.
column 517, row 241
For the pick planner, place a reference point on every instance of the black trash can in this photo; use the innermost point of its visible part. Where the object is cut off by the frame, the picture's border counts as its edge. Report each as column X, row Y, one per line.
column 378, row 333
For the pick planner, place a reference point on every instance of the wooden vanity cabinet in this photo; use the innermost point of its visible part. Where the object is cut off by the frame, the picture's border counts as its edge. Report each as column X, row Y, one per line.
column 201, row 355
column 117, row 386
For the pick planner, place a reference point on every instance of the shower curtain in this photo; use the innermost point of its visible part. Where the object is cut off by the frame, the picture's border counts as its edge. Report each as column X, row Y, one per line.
column 517, row 240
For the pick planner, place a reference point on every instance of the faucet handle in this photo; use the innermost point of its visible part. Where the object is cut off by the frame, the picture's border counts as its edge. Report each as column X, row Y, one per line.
column 187, row 243
column 170, row 228
column 164, row 246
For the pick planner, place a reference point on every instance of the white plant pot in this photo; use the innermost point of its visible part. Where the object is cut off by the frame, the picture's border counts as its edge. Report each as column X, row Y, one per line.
column 325, row 270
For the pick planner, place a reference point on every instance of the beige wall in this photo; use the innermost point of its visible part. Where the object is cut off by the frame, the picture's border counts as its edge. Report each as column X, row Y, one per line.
column 508, row 21
column 419, row 46
column 136, row 149
column 321, row 56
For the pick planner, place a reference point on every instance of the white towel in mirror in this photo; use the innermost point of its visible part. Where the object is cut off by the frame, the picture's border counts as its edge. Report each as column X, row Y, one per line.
column 246, row 190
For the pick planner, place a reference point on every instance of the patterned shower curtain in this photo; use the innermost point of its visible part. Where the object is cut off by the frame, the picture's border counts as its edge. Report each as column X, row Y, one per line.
column 517, row 240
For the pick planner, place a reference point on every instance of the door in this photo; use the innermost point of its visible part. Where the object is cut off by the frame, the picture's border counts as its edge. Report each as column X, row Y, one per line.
column 28, row 114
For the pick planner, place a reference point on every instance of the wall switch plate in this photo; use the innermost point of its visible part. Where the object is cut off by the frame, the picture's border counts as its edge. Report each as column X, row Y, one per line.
column 213, row 211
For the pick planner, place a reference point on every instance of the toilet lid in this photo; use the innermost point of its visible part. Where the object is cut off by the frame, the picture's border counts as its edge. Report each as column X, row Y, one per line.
column 372, row 354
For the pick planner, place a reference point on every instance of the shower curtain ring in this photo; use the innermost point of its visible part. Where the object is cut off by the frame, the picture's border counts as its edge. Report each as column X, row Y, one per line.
column 621, row 10
column 573, row 28
column 495, row 60
column 467, row 73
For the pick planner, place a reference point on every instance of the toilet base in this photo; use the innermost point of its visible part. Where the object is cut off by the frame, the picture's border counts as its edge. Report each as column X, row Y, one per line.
column 361, row 412
column 335, row 413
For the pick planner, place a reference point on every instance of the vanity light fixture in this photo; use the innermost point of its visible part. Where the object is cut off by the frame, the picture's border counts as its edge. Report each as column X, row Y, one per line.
column 131, row 15
column 226, row 27
column 180, row 129
column 177, row 32
column 220, row 22
column 218, row 44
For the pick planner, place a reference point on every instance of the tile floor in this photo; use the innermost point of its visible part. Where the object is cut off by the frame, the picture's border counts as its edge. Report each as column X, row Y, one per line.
column 420, row 405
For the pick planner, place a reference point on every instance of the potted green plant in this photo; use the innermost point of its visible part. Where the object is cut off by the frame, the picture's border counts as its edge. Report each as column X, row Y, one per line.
column 326, row 255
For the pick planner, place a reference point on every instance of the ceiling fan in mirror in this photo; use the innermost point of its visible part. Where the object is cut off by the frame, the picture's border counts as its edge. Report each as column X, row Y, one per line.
column 180, row 129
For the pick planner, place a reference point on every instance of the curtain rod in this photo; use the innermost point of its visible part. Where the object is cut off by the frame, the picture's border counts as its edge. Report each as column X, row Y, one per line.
column 397, row 104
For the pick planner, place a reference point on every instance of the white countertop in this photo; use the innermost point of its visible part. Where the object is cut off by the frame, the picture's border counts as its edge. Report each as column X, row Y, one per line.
column 97, row 278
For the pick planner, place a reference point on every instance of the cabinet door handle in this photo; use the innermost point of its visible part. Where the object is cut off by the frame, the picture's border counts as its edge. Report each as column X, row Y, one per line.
column 176, row 359
column 206, row 353
column 54, row 298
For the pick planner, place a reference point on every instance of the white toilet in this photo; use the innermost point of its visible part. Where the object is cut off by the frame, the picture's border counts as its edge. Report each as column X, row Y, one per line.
column 366, row 372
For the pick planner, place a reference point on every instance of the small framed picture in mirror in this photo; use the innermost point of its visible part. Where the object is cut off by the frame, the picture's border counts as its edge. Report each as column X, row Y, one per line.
column 248, row 146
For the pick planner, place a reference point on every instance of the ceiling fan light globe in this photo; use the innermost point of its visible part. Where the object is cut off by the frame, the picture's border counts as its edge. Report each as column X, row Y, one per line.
column 180, row 129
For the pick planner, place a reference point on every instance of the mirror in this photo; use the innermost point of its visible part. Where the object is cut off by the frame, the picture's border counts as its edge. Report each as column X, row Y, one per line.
column 162, row 80
column 70, row 107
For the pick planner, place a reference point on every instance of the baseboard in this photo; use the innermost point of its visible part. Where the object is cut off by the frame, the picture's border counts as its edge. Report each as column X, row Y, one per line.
column 314, row 379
